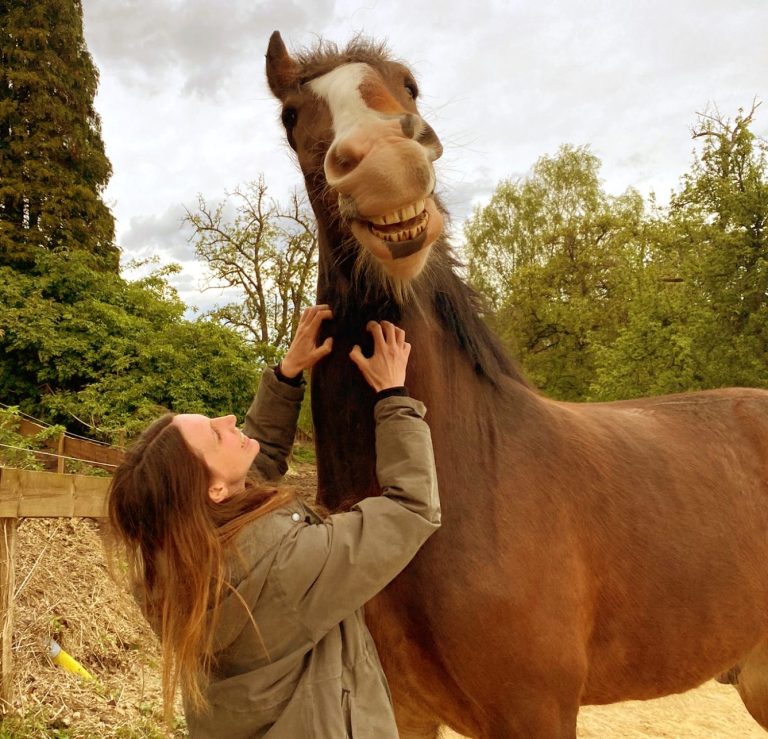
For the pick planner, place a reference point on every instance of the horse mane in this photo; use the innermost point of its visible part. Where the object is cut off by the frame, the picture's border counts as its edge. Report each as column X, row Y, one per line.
column 439, row 290
column 460, row 309
column 325, row 56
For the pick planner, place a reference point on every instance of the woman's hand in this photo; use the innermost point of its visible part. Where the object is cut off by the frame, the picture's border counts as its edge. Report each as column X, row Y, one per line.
column 386, row 368
column 304, row 352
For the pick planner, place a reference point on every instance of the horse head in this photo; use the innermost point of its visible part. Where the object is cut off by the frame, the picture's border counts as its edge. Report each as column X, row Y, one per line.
column 365, row 151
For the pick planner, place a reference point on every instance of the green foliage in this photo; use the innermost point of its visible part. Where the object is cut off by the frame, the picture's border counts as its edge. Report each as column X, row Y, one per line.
column 80, row 345
column 554, row 253
column 17, row 450
column 53, row 169
column 699, row 312
column 303, row 453
column 607, row 298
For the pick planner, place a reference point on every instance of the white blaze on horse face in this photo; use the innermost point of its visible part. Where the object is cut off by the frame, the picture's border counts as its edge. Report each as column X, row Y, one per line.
column 380, row 165
column 363, row 113
column 341, row 91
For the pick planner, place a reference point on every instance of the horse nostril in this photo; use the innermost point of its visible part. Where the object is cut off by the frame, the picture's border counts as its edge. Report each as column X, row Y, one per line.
column 343, row 158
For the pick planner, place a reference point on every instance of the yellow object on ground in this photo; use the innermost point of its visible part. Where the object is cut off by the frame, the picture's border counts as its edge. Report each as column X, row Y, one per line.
column 67, row 661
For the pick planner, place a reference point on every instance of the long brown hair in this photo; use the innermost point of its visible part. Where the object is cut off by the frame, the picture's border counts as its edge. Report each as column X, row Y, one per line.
column 175, row 540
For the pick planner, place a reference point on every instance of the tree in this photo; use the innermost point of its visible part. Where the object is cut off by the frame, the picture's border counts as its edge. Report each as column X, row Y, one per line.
column 53, row 169
column 99, row 353
column 700, row 319
column 554, row 253
column 268, row 252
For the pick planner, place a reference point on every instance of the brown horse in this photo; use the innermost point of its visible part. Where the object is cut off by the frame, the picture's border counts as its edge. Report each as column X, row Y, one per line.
column 589, row 553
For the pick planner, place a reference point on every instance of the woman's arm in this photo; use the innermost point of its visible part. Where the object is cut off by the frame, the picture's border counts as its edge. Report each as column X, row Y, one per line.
column 273, row 415
column 324, row 572
column 271, row 420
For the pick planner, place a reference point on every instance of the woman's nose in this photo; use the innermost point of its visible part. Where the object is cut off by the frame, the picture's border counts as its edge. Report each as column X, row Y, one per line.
column 226, row 421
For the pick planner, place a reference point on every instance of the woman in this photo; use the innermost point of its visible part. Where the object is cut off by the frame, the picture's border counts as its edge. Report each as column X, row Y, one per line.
column 257, row 602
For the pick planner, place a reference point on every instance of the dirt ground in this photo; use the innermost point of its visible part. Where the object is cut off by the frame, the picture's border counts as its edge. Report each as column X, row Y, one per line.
column 713, row 711
column 64, row 591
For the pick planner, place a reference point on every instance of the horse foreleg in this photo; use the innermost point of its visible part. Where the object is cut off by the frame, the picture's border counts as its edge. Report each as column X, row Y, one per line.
column 752, row 683
column 543, row 719
column 418, row 729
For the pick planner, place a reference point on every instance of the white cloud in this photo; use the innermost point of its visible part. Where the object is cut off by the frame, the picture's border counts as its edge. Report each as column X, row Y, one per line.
column 186, row 109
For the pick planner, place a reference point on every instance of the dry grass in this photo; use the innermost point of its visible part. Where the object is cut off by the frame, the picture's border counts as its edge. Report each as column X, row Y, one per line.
column 64, row 592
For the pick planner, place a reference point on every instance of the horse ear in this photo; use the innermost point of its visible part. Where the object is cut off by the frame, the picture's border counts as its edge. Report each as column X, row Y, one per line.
column 282, row 70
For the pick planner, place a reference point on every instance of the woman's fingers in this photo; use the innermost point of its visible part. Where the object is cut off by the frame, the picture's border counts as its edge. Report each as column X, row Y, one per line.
column 376, row 331
column 324, row 348
column 357, row 356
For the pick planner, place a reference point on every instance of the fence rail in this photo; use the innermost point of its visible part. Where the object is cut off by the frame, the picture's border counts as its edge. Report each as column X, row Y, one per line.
column 98, row 455
column 29, row 493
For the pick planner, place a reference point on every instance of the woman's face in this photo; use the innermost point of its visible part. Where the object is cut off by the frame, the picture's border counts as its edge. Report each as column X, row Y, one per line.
column 226, row 451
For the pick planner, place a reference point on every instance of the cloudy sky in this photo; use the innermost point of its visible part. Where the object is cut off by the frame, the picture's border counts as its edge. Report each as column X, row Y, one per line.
column 185, row 107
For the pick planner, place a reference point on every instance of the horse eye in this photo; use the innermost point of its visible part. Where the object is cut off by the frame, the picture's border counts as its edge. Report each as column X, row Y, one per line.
column 289, row 117
column 412, row 90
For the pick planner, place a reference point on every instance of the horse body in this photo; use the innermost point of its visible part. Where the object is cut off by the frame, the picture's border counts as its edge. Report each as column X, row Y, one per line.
column 589, row 553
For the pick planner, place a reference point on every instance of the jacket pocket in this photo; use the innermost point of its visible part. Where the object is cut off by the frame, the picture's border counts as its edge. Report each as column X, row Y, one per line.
column 360, row 723
column 346, row 712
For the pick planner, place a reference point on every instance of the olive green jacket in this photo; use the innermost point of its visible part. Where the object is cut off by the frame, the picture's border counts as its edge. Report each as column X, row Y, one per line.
column 294, row 657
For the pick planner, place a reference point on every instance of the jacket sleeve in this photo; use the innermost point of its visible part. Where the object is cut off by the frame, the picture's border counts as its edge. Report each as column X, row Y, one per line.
column 326, row 571
column 271, row 420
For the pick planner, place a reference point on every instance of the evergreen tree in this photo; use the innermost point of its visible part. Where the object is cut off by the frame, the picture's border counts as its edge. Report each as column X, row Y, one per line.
column 53, row 168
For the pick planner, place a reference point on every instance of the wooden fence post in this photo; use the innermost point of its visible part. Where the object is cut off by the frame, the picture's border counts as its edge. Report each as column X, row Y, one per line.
column 60, row 453
column 7, row 586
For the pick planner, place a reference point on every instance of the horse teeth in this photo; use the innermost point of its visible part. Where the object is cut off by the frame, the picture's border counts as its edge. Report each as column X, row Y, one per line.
column 399, row 216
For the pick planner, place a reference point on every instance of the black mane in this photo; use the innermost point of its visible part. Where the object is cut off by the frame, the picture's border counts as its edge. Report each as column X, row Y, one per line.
column 439, row 290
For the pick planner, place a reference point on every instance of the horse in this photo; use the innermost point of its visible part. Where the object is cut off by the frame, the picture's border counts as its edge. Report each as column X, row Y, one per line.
column 590, row 553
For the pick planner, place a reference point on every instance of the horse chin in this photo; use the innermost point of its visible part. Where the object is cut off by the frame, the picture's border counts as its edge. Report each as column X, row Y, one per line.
column 401, row 260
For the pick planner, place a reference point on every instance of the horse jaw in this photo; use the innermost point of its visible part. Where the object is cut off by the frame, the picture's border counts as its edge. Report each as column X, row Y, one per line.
column 404, row 260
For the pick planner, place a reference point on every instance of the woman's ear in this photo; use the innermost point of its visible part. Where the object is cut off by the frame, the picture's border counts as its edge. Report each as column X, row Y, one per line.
column 218, row 492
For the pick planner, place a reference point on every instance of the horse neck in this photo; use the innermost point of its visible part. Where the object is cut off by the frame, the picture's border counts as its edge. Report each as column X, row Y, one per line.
column 469, row 407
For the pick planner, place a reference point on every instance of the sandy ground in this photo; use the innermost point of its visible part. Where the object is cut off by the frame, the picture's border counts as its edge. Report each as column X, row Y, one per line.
column 713, row 711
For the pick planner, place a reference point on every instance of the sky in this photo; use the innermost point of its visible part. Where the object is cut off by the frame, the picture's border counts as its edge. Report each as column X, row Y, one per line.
column 186, row 110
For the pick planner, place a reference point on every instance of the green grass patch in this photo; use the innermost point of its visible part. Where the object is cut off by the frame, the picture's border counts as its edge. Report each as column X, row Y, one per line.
column 304, row 453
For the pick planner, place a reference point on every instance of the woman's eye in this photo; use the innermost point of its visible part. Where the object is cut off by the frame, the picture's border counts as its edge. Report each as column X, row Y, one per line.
column 289, row 117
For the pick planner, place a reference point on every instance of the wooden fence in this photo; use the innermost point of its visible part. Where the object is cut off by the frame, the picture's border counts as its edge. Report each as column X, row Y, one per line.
column 30, row 493
column 66, row 446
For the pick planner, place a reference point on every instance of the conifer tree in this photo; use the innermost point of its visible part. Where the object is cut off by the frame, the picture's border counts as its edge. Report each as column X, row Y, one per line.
column 53, row 168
